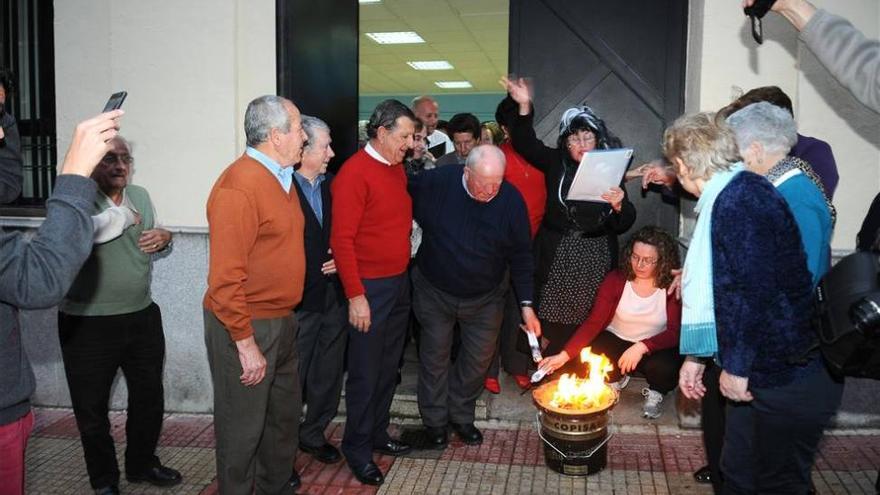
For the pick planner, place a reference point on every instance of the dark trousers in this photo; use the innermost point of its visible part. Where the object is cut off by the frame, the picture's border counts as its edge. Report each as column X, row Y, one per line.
column 255, row 427
column 770, row 443
column 321, row 342
column 93, row 349
column 660, row 367
column 557, row 335
column 713, row 415
column 373, row 357
column 507, row 354
column 448, row 391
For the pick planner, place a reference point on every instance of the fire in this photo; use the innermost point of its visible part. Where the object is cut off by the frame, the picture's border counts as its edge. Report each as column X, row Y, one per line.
column 579, row 393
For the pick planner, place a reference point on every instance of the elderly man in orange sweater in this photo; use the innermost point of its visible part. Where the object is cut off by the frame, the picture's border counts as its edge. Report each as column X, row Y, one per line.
column 255, row 279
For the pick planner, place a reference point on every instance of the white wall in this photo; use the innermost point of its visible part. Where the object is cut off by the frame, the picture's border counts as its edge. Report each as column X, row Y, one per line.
column 723, row 59
column 190, row 68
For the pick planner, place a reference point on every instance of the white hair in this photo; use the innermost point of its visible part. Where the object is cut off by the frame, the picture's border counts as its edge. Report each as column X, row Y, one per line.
column 771, row 126
column 476, row 156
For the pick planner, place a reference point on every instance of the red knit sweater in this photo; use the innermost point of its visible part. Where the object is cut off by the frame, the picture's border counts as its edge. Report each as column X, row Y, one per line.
column 604, row 307
column 372, row 219
column 529, row 181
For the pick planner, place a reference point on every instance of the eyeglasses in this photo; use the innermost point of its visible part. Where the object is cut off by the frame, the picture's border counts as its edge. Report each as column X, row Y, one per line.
column 112, row 158
column 583, row 140
column 640, row 261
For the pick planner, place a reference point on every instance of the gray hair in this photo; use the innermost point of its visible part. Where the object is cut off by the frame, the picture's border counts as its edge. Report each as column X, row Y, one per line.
column 385, row 115
column 264, row 114
column 476, row 156
column 705, row 144
column 764, row 123
column 311, row 125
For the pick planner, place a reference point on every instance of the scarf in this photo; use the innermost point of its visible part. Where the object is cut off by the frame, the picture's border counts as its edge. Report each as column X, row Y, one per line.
column 784, row 169
column 698, row 330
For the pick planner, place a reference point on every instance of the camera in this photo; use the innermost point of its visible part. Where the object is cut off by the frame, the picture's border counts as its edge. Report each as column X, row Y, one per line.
column 865, row 314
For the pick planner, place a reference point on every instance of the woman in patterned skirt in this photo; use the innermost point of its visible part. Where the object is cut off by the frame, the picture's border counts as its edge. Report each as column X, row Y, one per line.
column 576, row 245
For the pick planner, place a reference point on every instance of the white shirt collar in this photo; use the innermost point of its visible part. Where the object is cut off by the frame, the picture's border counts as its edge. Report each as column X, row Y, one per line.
column 375, row 154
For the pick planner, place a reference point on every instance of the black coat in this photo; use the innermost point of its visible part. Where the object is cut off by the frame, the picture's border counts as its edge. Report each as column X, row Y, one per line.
column 317, row 243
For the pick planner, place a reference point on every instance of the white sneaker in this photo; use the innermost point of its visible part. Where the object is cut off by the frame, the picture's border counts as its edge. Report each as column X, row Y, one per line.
column 652, row 408
column 620, row 384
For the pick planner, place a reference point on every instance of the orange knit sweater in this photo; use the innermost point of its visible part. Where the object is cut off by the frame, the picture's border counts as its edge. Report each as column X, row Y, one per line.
column 257, row 259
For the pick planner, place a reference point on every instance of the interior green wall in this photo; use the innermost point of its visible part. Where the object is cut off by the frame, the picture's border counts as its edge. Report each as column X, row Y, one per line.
column 480, row 104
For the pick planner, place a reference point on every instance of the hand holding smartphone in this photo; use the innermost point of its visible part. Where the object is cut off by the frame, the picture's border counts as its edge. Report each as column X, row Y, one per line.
column 115, row 101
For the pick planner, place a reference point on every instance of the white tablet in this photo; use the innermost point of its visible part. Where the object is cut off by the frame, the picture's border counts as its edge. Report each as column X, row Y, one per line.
column 599, row 171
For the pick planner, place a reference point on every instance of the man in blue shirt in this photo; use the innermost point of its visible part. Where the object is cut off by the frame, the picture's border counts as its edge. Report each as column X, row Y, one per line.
column 323, row 313
column 475, row 235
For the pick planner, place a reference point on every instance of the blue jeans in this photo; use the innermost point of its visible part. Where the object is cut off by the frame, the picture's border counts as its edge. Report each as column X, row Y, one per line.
column 770, row 443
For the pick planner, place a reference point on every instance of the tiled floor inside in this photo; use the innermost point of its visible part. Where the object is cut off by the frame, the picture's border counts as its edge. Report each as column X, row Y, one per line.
column 642, row 459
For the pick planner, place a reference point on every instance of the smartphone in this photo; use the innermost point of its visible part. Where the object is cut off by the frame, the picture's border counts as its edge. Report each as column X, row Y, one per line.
column 115, row 101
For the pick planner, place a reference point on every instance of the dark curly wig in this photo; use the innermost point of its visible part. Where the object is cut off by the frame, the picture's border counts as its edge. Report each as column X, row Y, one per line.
column 667, row 254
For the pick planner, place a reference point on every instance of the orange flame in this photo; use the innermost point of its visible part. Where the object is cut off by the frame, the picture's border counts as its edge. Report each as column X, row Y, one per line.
column 579, row 393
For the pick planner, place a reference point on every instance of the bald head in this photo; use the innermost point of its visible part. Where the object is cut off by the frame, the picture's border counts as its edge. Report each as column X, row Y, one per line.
column 484, row 172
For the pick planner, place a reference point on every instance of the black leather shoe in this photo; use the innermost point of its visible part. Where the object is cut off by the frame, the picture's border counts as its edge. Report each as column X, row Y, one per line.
column 107, row 490
column 326, row 453
column 468, row 433
column 392, row 447
column 294, row 482
column 703, row 475
column 156, row 475
column 368, row 474
column 437, row 437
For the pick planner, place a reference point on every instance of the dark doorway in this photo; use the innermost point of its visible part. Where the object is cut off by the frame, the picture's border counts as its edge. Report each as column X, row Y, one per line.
column 317, row 63
column 625, row 59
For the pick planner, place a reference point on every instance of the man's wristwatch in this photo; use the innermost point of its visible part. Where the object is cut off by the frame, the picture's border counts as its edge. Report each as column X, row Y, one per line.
column 526, row 304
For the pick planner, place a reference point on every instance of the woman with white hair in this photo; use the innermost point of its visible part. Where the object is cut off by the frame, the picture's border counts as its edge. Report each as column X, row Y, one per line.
column 747, row 296
column 765, row 133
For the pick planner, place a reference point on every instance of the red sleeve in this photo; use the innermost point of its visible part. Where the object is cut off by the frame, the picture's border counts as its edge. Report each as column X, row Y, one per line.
column 668, row 338
column 349, row 194
column 232, row 222
column 604, row 306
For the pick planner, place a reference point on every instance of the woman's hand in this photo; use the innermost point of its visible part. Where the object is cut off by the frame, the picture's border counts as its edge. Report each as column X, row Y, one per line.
column 520, row 92
column 631, row 357
column 690, row 378
column 552, row 363
column 735, row 388
column 675, row 286
column 615, row 197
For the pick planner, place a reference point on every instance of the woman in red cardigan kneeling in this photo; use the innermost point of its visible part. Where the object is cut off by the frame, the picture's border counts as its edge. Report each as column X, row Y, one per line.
column 640, row 319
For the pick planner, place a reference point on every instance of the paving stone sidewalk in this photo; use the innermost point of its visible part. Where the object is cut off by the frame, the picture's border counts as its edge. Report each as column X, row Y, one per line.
column 642, row 459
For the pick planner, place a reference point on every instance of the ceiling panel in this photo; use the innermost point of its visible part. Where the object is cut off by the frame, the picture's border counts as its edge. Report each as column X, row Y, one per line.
column 470, row 34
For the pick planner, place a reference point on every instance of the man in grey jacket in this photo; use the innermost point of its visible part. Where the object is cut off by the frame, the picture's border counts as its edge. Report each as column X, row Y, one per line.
column 852, row 58
column 36, row 273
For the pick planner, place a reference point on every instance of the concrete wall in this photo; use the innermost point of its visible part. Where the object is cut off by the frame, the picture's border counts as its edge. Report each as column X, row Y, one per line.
column 724, row 60
column 190, row 69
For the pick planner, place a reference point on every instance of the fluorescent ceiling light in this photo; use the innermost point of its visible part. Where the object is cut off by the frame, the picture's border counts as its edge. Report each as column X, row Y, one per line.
column 453, row 84
column 430, row 65
column 369, row 1
column 395, row 38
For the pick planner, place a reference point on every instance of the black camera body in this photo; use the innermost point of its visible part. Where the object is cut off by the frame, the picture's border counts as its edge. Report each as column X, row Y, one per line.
column 848, row 316
column 756, row 12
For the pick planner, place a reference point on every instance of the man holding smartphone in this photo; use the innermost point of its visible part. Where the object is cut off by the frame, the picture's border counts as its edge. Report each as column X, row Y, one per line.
column 36, row 273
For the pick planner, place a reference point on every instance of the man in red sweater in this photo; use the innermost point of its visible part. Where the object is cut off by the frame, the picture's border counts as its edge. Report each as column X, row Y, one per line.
column 372, row 218
column 255, row 279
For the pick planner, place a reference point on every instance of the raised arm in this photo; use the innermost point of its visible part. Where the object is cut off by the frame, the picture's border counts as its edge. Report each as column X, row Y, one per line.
column 37, row 273
column 522, row 132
